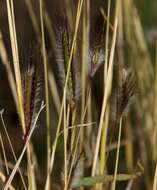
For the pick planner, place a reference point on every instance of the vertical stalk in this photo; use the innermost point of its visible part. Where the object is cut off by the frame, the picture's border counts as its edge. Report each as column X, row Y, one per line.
column 107, row 93
column 117, row 155
column 155, row 108
column 78, row 15
column 107, row 41
column 46, row 85
column 105, row 124
column 85, row 53
column 14, row 47
column 15, row 54
column 104, row 141
column 155, row 179
column 65, row 145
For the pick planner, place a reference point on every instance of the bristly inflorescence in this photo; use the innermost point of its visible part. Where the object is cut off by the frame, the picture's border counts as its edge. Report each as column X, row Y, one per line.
column 31, row 86
column 62, row 54
column 126, row 91
column 96, row 58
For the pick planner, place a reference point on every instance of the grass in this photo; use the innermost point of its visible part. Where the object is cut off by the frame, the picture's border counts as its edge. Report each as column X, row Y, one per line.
column 99, row 94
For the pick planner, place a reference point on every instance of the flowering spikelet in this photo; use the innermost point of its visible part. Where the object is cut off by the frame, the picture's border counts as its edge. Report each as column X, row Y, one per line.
column 96, row 59
column 62, row 53
column 125, row 93
column 31, row 84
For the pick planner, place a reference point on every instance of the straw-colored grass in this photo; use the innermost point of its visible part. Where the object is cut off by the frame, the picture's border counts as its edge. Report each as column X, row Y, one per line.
column 99, row 94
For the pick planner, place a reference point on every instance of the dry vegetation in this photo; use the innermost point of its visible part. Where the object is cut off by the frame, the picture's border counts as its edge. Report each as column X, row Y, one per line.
column 85, row 94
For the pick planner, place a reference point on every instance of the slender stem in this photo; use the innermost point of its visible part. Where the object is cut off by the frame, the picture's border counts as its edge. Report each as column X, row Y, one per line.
column 14, row 47
column 65, row 146
column 117, row 155
column 155, row 179
column 107, row 93
column 79, row 10
column 107, row 41
column 23, row 151
column 46, row 84
column 12, row 149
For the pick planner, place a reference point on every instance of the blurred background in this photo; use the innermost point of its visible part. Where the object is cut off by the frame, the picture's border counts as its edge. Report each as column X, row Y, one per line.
column 137, row 41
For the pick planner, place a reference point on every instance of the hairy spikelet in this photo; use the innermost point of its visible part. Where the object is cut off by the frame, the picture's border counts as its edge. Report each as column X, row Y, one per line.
column 62, row 53
column 122, row 96
column 125, row 93
column 31, row 85
column 96, row 59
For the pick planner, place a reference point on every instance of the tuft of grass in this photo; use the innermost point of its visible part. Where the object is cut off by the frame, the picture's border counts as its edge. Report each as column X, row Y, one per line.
column 82, row 73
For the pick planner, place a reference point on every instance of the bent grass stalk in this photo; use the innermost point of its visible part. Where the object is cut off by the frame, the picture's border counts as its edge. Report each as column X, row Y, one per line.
column 12, row 149
column 4, row 154
column 3, row 179
column 23, row 150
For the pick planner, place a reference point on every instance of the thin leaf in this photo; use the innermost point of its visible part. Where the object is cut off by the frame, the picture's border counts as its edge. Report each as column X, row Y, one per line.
column 89, row 181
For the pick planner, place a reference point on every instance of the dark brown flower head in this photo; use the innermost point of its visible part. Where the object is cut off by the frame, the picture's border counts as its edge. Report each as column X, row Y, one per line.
column 31, row 85
column 126, row 91
column 122, row 96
